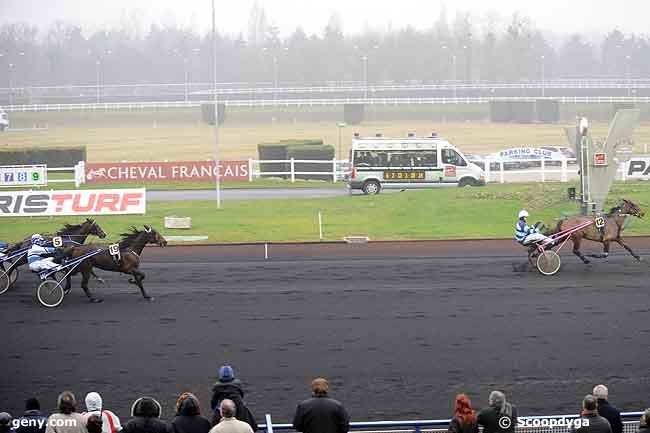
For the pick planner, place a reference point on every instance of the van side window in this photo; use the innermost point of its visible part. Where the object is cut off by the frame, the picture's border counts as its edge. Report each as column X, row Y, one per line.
column 450, row 156
column 426, row 159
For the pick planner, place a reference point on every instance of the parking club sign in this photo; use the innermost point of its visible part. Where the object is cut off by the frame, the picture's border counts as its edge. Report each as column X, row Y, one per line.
column 23, row 175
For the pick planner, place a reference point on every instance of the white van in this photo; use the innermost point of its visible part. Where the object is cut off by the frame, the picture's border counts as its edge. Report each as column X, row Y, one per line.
column 4, row 120
column 414, row 162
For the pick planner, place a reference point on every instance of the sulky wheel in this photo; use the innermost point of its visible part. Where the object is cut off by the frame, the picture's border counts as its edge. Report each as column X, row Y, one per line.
column 548, row 262
column 50, row 293
column 5, row 280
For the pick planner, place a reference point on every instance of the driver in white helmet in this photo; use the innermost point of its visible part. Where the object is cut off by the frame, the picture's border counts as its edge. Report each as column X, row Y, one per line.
column 525, row 234
column 37, row 255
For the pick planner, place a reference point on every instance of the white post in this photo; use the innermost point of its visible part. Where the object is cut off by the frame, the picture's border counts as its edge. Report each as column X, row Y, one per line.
column 320, row 226
column 293, row 171
column 266, row 251
column 543, row 171
column 623, row 168
column 502, row 179
column 564, row 171
column 334, row 173
column 250, row 169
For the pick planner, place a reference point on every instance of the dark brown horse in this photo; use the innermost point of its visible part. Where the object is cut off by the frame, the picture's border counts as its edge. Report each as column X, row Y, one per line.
column 71, row 234
column 130, row 246
column 611, row 232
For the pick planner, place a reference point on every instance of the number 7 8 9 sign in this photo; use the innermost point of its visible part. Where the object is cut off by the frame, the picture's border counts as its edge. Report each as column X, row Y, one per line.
column 23, row 175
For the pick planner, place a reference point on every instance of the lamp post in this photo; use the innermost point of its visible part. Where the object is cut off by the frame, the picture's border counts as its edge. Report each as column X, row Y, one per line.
column 453, row 77
column 543, row 75
column 364, row 59
column 628, row 75
column 340, row 127
column 216, row 106
column 97, row 63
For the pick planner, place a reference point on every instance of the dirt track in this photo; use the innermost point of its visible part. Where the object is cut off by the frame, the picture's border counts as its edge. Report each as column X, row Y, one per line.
column 398, row 328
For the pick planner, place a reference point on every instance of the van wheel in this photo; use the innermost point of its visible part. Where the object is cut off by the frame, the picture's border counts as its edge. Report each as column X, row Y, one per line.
column 466, row 181
column 371, row 187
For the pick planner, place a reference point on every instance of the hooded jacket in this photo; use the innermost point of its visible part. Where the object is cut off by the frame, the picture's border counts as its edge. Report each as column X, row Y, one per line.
column 188, row 418
column 33, row 416
column 110, row 421
column 146, row 413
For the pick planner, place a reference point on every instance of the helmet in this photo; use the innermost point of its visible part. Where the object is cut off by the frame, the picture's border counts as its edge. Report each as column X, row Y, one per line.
column 523, row 213
column 37, row 239
column 226, row 373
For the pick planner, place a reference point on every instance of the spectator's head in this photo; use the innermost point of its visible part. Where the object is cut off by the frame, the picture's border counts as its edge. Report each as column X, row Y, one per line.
column 66, row 402
column 645, row 419
column 32, row 404
column 146, row 407
column 463, row 409
column 5, row 422
column 226, row 374
column 589, row 405
column 228, row 408
column 497, row 400
column 94, row 424
column 600, row 391
column 187, row 404
column 320, row 386
column 93, row 402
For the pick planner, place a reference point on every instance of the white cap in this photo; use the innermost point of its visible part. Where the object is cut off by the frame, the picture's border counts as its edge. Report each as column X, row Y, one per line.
column 36, row 237
column 523, row 213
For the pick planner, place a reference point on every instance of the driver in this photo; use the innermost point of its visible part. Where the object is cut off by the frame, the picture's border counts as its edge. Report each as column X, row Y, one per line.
column 525, row 234
column 39, row 256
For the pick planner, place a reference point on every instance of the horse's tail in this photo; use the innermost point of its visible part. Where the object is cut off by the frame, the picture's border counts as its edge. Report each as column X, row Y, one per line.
column 557, row 229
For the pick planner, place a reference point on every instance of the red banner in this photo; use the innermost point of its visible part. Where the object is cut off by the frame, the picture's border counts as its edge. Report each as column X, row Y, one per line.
column 150, row 172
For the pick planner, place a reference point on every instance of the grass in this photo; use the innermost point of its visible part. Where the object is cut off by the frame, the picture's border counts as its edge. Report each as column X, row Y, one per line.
column 240, row 140
column 451, row 213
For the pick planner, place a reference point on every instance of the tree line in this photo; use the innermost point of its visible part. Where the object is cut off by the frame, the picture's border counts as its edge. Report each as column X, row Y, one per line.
column 461, row 48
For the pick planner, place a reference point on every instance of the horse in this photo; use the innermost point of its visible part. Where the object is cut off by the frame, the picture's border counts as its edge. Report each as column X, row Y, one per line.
column 70, row 234
column 611, row 232
column 131, row 246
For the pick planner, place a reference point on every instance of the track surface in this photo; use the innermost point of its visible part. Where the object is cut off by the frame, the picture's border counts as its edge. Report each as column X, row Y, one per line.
column 398, row 328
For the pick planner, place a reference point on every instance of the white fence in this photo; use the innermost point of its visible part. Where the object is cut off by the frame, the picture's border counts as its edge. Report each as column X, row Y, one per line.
column 131, row 106
column 78, row 174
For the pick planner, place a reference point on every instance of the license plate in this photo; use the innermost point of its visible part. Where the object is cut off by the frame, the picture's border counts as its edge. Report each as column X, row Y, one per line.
column 404, row 175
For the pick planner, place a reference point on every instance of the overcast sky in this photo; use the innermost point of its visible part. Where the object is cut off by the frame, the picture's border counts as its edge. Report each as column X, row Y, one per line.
column 560, row 16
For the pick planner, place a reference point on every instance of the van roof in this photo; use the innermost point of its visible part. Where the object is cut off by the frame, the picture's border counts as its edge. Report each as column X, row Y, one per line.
column 402, row 143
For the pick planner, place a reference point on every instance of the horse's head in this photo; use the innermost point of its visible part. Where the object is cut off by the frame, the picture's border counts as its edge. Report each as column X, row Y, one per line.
column 153, row 237
column 91, row 227
column 631, row 208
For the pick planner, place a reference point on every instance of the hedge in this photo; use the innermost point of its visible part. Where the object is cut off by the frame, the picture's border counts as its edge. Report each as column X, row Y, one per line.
column 297, row 149
column 53, row 157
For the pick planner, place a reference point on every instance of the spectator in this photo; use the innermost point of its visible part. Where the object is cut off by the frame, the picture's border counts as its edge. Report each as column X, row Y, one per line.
column 229, row 387
column 500, row 416
column 146, row 413
column 188, row 416
column 67, row 420
column 94, row 424
column 110, row 421
column 321, row 414
column 606, row 410
column 644, row 422
column 34, row 422
column 5, row 422
column 229, row 423
column 596, row 423
column 464, row 420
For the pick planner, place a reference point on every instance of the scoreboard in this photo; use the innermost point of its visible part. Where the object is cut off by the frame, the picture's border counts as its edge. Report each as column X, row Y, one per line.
column 23, row 175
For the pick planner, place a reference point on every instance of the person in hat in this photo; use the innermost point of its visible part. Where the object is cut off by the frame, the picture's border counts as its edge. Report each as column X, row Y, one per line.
column 229, row 387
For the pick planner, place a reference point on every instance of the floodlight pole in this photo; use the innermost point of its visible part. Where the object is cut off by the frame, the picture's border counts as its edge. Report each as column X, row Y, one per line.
column 216, row 107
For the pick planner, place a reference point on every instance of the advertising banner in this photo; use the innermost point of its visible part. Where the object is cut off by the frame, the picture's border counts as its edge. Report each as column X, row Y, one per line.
column 150, row 172
column 73, row 202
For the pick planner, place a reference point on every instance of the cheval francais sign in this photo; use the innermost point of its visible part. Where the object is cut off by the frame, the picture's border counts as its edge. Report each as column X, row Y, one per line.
column 150, row 172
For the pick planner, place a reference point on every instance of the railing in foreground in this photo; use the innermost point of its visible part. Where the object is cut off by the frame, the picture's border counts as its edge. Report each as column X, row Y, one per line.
column 538, row 424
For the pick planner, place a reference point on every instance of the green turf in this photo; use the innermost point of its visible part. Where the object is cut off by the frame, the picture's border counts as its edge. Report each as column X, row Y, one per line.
column 451, row 213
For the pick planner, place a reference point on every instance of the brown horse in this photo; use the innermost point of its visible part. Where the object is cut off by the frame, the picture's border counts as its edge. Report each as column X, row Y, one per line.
column 130, row 246
column 611, row 232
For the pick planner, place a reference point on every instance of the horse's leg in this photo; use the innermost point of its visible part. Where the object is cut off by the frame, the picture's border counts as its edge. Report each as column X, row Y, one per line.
column 85, row 277
column 605, row 252
column 94, row 275
column 576, row 250
column 138, row 277
column 629, row 250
